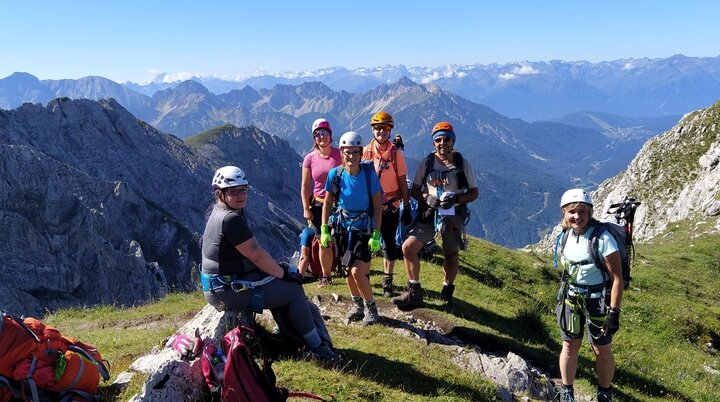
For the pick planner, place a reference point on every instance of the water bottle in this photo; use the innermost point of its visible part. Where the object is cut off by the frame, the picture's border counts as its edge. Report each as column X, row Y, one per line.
column 294, row 262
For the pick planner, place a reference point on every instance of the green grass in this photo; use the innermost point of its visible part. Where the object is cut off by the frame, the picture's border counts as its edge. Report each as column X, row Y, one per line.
column 670, row 328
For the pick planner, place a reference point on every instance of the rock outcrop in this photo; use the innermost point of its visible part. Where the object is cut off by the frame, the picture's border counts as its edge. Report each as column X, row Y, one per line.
column 97, row 206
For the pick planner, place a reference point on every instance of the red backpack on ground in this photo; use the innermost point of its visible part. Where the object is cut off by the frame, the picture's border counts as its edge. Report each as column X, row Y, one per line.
column 233, row 372
column 36, row 362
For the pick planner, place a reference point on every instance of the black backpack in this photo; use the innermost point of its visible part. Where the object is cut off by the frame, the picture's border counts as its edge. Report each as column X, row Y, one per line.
column 621, row 231
column 459, row 170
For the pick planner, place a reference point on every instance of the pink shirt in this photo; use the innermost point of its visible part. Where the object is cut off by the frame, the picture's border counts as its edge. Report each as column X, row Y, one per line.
column 319, row 167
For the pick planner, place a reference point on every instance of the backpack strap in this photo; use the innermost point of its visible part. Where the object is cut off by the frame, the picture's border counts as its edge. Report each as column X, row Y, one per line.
column 335, row 187
column 594, row 249
column 458, row 163
column 560, row 243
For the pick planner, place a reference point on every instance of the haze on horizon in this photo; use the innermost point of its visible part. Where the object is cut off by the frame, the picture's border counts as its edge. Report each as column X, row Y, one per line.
column 135, row 40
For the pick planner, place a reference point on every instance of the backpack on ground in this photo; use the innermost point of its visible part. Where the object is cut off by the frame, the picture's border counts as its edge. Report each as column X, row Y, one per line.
column 624, row 213
column 38, row 363
column 232, row 372
column 315, row 265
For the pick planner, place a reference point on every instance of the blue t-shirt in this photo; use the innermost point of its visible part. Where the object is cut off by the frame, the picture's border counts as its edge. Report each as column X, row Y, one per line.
column 353, row 196
column 577, row 258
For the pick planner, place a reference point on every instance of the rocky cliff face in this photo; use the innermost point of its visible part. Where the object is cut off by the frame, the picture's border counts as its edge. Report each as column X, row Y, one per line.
column 676, row 177
column 99, row 207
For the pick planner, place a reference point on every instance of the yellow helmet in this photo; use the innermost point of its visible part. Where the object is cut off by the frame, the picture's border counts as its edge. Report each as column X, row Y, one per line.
column 382, row 118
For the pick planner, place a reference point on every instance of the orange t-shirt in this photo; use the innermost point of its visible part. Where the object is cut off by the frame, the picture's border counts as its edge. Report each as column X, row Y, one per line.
column 388, row 170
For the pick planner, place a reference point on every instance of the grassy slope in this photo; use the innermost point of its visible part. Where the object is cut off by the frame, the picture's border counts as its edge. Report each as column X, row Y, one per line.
column 669, row 329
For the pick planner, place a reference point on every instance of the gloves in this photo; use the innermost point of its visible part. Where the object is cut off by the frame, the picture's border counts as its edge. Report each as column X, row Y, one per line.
column 449, row 202
column 406, row 218
column 612, row 321
column 325, row 236
column 432, row 201
column 374, row 242
column 291, row 276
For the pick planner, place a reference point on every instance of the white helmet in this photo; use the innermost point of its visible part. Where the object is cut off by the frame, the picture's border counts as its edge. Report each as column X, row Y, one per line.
column 321, row 123
column 229, row 176
column 350, row 139
column 575, row 195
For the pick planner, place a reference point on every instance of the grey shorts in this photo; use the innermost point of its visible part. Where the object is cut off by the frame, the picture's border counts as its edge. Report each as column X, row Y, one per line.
column 571, row 316
column 451, row 231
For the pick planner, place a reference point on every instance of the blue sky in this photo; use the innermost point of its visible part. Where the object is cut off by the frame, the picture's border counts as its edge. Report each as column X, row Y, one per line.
column 133, row 40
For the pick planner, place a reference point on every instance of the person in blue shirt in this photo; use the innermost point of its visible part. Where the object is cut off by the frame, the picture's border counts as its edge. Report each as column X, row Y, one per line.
column 354, row 188
column 590, row 297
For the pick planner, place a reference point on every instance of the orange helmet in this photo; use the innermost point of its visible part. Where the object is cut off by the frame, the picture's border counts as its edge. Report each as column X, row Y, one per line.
column 443, row 126
column 382, row 118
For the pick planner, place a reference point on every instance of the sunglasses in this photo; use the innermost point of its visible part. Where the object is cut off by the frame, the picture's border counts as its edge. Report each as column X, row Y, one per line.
column 380, row 127
column 351, row 153
column 321, row 133
column 237, row 191
column 439, row 140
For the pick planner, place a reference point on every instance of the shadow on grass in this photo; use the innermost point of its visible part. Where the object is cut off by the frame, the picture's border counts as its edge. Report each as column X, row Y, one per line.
column 403, row 376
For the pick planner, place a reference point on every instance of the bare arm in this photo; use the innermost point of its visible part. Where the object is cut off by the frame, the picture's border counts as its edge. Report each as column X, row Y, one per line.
column 470, row 196
column 327, row 207
column 252, row 250
column 306, row 192
column 404, row 192
column 377, row 209
column 416, row 192
column 614, row 265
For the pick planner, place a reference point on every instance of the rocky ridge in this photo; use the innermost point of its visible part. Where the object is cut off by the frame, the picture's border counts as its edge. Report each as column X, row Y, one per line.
column 675, row 175
column 99, row 207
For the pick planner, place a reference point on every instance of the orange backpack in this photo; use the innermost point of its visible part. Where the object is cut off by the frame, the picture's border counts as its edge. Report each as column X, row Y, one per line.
column 36, row 358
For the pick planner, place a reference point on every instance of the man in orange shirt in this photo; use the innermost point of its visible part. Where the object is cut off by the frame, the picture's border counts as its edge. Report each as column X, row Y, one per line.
column 392, row 171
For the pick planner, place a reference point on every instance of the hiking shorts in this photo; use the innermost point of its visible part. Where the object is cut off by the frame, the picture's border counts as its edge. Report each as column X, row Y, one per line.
column 570, row 310
column 358, row 250
column 451, row 232
column 388, row 230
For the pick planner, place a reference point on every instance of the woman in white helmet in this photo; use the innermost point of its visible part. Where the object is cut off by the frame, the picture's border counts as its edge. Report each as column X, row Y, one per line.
column 354, row 189
column 315, row 168
column 589, row 298
column 239, row 274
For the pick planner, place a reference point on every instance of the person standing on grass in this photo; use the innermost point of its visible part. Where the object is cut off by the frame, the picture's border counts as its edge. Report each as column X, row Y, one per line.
column 315, row 168
column 354, row 191
column 444, row 184
column 590, row 296
column 391, row 169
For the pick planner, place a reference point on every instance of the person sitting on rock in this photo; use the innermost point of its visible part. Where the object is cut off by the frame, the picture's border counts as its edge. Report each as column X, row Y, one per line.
column 239, row 274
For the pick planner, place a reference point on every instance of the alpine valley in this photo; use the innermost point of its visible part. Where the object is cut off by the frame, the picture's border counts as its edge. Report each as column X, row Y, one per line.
column 112, row 180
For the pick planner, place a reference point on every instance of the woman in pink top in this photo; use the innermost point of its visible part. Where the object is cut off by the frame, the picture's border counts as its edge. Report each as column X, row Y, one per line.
column 315, row 168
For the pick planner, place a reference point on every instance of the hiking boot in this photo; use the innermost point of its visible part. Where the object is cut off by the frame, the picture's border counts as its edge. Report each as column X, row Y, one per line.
column 604, row 396
column 387, row 285
column 325, row 355
column 356, row 312
column 371, row 314
column 446, row 294
column 566, row 394
column 324, row 281
column 411, row 299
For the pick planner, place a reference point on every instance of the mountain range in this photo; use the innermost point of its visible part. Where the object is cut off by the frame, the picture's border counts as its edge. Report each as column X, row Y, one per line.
column 519, row 165
column 530, row 90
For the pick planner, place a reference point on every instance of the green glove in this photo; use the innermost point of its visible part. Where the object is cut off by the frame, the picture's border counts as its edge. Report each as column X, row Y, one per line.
column 374, row 242
column 325, row 236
